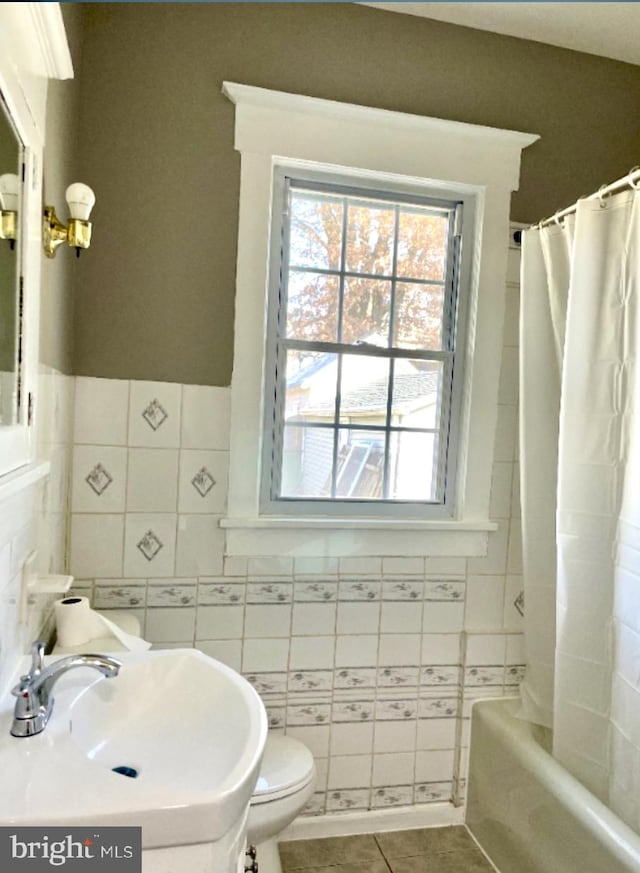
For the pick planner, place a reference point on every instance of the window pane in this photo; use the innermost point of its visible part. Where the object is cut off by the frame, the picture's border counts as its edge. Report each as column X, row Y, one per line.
column 307, row 461
column 312, row 306
column 417, row 393
column 360, row 467
column 366, row 312
column 412, row 466
column 422, row 245
column 315, row 236
column 364, row 390
column 311, row 380
column 418, row 316
column 370, row 232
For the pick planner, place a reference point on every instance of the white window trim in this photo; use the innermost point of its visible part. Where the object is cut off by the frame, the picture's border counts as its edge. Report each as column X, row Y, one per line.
column 277, row 129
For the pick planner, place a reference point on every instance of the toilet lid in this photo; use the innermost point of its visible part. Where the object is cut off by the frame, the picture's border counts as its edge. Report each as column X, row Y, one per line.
column 287, row 766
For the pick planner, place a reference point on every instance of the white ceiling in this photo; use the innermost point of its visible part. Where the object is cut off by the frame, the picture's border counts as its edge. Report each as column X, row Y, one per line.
column 608, row 29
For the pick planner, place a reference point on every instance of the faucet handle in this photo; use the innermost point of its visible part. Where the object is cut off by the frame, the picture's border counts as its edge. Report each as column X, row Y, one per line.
column 37, row 658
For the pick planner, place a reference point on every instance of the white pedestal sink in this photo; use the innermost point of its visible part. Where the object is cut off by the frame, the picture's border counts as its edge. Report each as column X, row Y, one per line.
column 190, row 728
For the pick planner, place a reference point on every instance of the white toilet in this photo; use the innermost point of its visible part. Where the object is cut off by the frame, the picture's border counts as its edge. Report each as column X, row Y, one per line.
column 285, row 784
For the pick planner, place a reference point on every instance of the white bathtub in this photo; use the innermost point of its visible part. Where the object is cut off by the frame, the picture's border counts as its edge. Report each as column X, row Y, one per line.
column 527, row 812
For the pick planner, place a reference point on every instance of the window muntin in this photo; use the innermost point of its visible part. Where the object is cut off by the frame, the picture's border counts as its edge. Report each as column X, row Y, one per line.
column 364, row 346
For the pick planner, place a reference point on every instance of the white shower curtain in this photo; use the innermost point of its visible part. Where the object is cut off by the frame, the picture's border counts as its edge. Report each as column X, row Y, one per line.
column 580, row 477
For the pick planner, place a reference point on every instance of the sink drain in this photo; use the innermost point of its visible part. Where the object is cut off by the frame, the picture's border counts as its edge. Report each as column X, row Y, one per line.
column 123, row 770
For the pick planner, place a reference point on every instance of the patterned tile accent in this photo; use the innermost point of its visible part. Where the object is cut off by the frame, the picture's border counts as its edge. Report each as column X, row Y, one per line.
column 149, row 545
column 99, row 479
column 203, row 482
column 443, row 589
column 269, row 592
column 171, row 595
column 396, row 710
column 432, row 792
column 519, row 603
column 308, row 714
column 402, row 589
column 315, row 592
column 395, row 795
column 311, row 680
column 359, row 590
column 348, row 799
column 155, row 414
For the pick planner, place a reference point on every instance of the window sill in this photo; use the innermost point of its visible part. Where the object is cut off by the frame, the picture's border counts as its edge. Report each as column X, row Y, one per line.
column 339, row 537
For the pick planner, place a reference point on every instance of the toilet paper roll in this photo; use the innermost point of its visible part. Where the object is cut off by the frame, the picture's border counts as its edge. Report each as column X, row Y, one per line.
column 78, row 624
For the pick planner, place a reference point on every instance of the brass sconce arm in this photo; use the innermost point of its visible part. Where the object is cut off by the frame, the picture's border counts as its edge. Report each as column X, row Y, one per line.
column 9, row 226
column 77, row 233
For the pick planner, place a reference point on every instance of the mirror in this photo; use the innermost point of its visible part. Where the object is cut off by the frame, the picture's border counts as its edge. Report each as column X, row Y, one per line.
column 10, row 196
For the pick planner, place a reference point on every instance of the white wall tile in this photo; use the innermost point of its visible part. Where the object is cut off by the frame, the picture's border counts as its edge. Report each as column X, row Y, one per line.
column 393, row 769
column 267, row 620
column 403, row 566
column 441, row 648
column 514, row 603
column 399, row 649
column 506, row 433
column 101, row 411
column 229, row 652
column 357, row 650
column 97, row 545
column 360, row 567
column 495, row 561
column 399, row 617
column 311, row 653
column 434, row 766
column 514, row 554
column 501, row 482
column 442, row 617
column 150, row 545
column 351, row 738
column 395, row 736
column 314, row 618
column 356, row 618
column 270, row 566
column 436, row 733
column 203, row 481
column 508, row 389
column 219, row 622
column 200, row 546
column 349, row 771
column 316, row 566
column 205, row 417
column 99, row 479
column 489, row 649
column 170, row 625
column 315, row 738
column 269, row 655
column 484, row 608
column 152, row 483
column 154, row 415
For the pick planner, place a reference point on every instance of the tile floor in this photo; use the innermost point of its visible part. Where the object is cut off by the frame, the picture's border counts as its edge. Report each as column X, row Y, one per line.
column 427, row 850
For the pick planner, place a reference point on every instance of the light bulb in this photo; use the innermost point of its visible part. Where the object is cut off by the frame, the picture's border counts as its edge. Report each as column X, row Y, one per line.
column 9, row 192
column 80, row 198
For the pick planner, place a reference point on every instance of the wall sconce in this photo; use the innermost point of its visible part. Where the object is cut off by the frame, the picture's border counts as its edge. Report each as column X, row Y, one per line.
column 9, row 198
column 77, row 233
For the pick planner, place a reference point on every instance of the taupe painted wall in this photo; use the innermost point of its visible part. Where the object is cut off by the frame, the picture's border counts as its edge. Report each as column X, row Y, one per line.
column 155, row 293
column 60, row 169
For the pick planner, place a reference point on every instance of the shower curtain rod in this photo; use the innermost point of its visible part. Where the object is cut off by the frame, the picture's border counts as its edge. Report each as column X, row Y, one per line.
column 632, row 177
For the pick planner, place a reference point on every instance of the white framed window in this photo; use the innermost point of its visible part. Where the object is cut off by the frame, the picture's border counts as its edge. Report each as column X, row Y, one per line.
column 366, row 328
column 308, row 139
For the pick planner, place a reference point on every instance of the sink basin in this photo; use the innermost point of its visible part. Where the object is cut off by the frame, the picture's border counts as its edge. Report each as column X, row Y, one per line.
column 172, row 744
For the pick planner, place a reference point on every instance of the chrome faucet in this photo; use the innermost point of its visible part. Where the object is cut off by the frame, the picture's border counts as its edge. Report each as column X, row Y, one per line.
column 34, row 701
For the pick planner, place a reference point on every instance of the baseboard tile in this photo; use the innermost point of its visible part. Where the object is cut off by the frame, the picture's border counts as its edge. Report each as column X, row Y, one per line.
column 344, row 824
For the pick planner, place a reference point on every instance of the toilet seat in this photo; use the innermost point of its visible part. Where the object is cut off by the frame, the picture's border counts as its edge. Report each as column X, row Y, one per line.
column 287, row 767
